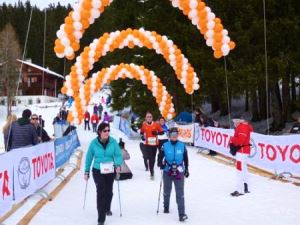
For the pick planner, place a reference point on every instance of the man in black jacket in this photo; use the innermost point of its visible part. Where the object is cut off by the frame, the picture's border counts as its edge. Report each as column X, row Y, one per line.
column 23, row 133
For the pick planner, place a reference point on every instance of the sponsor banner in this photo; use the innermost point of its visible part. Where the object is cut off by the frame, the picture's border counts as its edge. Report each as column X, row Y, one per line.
column 276, row 154
column 34, row 167
column 186, row 132
column 116, row 122
column 6, row 183
column 65, row 147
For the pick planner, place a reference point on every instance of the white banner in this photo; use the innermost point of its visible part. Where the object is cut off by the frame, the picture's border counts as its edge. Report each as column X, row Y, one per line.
column 34, row 167
column 186, row 132
column 276, row 154
column 6, row 183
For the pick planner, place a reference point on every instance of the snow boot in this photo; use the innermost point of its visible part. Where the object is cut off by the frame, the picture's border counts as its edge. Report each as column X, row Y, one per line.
column 236, row 194
column 182, row 217
column 100, row 223
column 246, row 188
column 109, row 213
column 166, row 210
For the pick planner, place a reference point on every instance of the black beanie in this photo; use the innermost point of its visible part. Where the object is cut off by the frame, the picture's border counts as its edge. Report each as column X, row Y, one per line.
column 26, row 114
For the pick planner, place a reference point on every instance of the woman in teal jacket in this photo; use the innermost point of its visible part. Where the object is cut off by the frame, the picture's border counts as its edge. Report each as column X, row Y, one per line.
column 106, row 156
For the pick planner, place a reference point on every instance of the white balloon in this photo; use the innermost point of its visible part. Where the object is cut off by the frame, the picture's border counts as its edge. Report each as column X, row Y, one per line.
column 172, row 57
column 193, row 14
column 210, row 33
column 211, row 16
column 209, row 42
column 70, row 92
column 68, row 78
column 195, row 21
column 193, row 4
column 68, row 51
column 169, row 116
column 91, row 20
column 211, row 24
column 226, row 40
column 95, row 13
column 96, row 4
column 172, row 109
column 175, row 3
column 65, row 41
column 76, row 121
column 225, row 49
column 225, row 32
column 60, row 34
column 60, row 55
column 77, row 26
column 208, row 10
column 196, row 86
column 78, row 35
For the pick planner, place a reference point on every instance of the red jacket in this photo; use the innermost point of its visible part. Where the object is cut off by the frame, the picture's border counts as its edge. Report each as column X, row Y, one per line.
column 95, row 119
column 147, row 129
column 87, row 116
column 242, row 137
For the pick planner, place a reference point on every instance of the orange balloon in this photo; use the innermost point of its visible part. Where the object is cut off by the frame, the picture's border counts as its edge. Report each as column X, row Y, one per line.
column 232, row 45
column 218, row 54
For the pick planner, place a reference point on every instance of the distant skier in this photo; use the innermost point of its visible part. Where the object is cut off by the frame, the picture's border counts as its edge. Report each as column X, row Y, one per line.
column 100, row 109
column 106, row 118
column 95, row 109
column 241, row 139
column 164, row 137
column 149, row 132
column 173, row 160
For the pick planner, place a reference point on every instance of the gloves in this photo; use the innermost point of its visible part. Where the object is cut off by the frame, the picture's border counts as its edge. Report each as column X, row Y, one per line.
column 154, row 132
column 86, row 176
column 161, row 165
column 143, row 138
column 186, row 173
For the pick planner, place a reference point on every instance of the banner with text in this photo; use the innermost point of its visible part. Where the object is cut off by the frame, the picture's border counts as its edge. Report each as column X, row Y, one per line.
column 34, row 167
column 65, row 147
column 276, row 154
column 186, row 132
column 6, row 183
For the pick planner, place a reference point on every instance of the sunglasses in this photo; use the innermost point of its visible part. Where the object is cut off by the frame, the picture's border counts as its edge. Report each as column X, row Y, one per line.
column 34, row 118
column 105, row 131
column 173, row 134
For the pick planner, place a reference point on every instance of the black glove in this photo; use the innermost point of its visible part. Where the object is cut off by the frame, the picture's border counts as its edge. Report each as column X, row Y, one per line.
column 143, row 138
column 161, row 165
column 186, row 173
column 154, row 132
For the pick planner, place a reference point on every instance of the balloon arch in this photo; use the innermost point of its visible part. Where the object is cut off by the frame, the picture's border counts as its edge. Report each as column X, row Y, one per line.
column 84, row 14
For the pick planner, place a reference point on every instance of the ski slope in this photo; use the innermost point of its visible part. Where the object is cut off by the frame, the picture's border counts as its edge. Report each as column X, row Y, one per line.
column 206, row 195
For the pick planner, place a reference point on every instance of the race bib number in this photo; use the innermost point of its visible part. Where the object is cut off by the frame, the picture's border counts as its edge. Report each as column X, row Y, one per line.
column 94, row 121
column 107, row 167
column 151, row 140
column 86, row 119
column 180, row 169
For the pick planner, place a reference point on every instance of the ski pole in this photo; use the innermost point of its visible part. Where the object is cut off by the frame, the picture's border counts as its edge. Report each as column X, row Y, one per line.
column 85, row 192
column 119, row 197
column 159, row 193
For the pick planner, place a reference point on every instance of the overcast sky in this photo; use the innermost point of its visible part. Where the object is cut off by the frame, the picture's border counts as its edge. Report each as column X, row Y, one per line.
column 41, row 3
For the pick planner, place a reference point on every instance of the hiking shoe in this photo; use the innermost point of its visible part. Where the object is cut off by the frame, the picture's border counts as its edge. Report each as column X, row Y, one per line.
column 246, row 188
column 100, row 223
column 236, row 194
column 183, row 217
column 109, row 213
column 166, row 210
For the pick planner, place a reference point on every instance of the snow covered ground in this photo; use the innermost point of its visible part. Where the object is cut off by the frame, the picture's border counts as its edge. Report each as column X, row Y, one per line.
column 206, row 194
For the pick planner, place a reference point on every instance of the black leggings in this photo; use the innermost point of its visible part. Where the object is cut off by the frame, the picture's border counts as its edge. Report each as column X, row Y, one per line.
column 150, row 152
column 104, row 185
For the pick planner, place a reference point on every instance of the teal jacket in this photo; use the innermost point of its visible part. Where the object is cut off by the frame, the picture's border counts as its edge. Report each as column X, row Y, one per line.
column 96, row 153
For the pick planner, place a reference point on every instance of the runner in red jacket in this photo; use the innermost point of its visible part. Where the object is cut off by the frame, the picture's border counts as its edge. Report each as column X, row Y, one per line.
column 95, row 121
column 242, row 138
column 87, row 118
column 149, row 132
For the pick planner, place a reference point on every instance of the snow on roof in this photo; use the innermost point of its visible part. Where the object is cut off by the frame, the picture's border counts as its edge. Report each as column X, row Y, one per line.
column 40, row 68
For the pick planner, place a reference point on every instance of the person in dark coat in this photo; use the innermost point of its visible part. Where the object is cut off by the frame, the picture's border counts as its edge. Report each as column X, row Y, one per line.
column 41, row 133
column 23, row 133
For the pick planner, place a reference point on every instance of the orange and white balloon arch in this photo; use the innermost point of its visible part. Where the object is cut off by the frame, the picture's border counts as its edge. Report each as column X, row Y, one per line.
column 85, row 12
column 121, row 71
column 119, row 39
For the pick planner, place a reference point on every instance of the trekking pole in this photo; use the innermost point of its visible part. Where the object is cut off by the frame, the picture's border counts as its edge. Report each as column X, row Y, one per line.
column 85, row 192
column 159, row 193
column 119, row 197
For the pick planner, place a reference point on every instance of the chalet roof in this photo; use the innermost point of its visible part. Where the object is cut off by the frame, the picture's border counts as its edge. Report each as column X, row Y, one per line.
column 40, row 68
